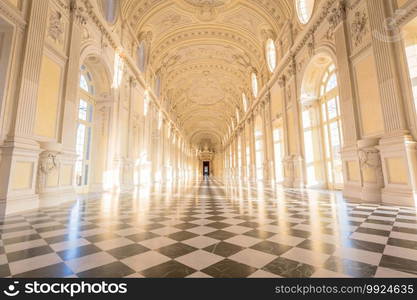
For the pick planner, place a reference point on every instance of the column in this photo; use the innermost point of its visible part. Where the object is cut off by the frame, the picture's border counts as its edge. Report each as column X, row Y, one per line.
column 20, row 151
column 397, row 148
column 352, row 186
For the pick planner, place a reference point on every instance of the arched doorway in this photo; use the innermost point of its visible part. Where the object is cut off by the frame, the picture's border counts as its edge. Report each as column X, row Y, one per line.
column 322, row 127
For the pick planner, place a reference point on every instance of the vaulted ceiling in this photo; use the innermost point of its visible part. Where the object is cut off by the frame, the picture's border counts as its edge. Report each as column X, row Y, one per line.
column 205, row 51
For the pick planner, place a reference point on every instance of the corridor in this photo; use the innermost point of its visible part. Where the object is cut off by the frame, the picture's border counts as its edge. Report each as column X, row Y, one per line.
column 210, row 228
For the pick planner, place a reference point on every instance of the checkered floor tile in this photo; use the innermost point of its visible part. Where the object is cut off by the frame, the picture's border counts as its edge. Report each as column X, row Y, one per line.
column 209, row 228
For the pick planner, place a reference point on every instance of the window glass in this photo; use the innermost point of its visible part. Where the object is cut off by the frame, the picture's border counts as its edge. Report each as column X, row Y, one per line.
column 109, row 8
column 271, row 55
column 254, row 85
column 304, row 10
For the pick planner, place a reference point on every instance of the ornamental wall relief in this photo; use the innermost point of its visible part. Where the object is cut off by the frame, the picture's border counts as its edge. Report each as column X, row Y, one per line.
column 56, row 27
column 359, row 28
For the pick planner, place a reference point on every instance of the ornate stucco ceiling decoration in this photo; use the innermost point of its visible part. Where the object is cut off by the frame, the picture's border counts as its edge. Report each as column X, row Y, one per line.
column 206, row 50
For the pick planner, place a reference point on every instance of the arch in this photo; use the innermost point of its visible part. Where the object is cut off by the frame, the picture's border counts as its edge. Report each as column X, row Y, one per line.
column 321, row 123
column 99, row 67
column 93, row 148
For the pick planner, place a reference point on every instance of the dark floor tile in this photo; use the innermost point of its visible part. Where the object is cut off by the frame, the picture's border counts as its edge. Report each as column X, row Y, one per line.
column 399, row 264
column 111, row 270
column 250, row 224
column 260, row 234
column 52, row 271
column 216, row 218
column 15, row 229
column 127, row 251
column 289, row 268
column 85, row 227
column 403, row 243
column 61, row 238
column 101, row 237
column 169, row 269
column 50, row 228
column 185, row 226
column 223, row 249
column 220, row 235
column 405, row 230
column 380, row 222
column 4, row 271
column 139, row 237
column 373, row 231
column 317, row 246
column 299, row 233
column 349, row 267
column 271, row 248
column 188, row 219
column 20, row 239
column 78, row 252
column 28, row 253
column 159, row 219
column 363, row 245
column 182, row 235
column 229, row 269
column 218, row 225
column 176, row 250
column 8, row 222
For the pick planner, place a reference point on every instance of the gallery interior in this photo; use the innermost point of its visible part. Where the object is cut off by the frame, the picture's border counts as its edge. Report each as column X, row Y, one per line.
column 208, row 138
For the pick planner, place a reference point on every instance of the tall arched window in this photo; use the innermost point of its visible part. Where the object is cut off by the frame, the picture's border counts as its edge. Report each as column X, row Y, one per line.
column 254, row 80
column 271, row 55
column 411, row 52
column 323, row 134
column 239, row 156
column 84, row 128
column 158, row 85
column 245, row 102
column 259, row 149
column 278, row 152
column 141, row 56
column 109, row 8
column 304, row 10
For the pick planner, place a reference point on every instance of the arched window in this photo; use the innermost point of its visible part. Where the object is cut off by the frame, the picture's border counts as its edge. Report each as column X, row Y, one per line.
column 239, row 156
column 141, row 56
column 411, row 52
column 109, row 9
column 84, row 128
column 245, row 102
column 254, row 79
column 259, row 149
column 271, row 54
column 323, row 134
column 278, row 152
column 304, row 10
column 158, row 85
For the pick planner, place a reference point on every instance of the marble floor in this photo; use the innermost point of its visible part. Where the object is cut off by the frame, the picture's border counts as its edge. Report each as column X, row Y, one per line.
column 207, row 228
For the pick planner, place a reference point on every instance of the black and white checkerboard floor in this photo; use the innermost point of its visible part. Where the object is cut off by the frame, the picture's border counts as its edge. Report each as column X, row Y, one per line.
column 210, row 229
